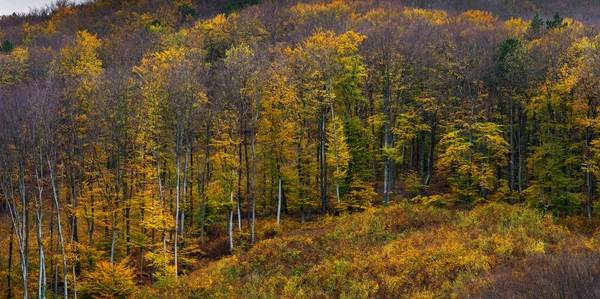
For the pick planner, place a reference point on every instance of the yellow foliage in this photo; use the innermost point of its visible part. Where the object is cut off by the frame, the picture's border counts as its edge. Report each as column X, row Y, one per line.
column 516, row 27
column 13, row 66
column 106, row 281
column 407, row 250
column 303, row 12
column 81, row 59
column 337, row 149
column 478, row 17
column 436, row 17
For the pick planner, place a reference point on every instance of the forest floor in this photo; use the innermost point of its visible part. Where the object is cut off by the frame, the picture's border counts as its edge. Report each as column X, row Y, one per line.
column 493, row 250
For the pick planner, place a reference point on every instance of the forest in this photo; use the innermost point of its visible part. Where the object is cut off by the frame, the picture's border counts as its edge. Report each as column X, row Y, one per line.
column 300, row 149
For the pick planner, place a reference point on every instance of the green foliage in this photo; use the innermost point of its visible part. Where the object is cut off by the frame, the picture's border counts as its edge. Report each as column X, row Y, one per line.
column 536, row 24
column 156, row 29
column 509, row 68
column 471, row 157
column 556, row 22
column 360, row 195
column 337, row 150
column 6, row 47
column 156, row 22
column 506, row 48
column 235, row 5
column 552, row 189
column 359, row 140
column 186, row 11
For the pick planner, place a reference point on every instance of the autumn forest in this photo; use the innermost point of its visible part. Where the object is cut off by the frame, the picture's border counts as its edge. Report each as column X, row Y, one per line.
column 300, row 149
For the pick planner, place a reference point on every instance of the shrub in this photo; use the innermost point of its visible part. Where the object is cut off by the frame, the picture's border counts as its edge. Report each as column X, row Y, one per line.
column 106, row 281
column 562, row 276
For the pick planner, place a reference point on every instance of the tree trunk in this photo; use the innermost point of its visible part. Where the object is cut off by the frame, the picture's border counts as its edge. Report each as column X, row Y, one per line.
column 335, row 139
column 204, row 180
column 91, row 223
column 22, row 228
column 9, row 294
column 39, row 171
column 253, row 187
column 323, row 165
column 239, row 187
column 386, row 175
column 589, row 179
column 512, row 161
column 51, row 166
column 230, row 226
column 42, row 261
column 373, row 140
column 279, row 200
column 183, row 194
column 431, row 149
column 590, row 189
column 143, row 228
column 113, row 238
column 521, row 135
column 248, row 199
column 163, row 209
column 152, row 236
column 178, row 148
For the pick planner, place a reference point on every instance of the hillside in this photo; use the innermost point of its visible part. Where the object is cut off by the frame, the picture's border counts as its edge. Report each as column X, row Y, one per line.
column 277, row 148
column 409, row 251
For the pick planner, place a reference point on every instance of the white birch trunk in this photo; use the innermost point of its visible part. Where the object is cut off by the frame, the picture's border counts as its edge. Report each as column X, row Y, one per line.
column 59, row 226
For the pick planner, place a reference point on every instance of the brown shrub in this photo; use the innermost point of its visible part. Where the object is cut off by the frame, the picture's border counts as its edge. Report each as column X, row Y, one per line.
column 216, row 249
column 555, row 276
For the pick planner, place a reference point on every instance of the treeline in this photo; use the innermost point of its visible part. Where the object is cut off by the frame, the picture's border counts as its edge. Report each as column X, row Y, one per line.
column 139, row 137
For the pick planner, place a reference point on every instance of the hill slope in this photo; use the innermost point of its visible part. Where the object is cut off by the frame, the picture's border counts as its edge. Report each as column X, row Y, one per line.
column 408, row 250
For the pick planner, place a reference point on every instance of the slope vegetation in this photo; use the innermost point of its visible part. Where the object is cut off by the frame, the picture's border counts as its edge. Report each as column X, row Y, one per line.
column 405, row 250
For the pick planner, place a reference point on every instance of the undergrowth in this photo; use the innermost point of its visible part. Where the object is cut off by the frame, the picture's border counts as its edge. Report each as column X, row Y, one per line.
column 406, row 250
